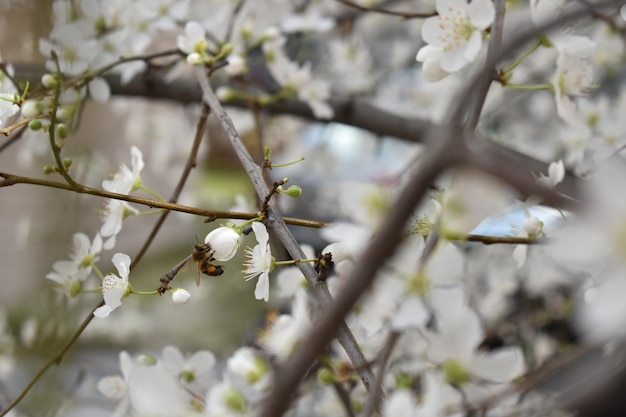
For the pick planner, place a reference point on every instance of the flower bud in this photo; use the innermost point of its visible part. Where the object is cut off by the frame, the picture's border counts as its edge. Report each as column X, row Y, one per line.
column 194, row 58
column 533, row 226
column 224, row 242
column 49, row 81
column 180, row 296
column 35, row 124
column 293, row 191
column 62, row 131
column 326, row 376
column 31, row 108
column 225, row 93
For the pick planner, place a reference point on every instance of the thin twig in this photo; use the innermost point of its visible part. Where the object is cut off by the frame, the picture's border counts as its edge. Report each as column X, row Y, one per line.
column 191, row 163
column 55, row 360
column 493, row 50
column 10, row 179
column 381, row 367
column 233, row 19
column 381, row 10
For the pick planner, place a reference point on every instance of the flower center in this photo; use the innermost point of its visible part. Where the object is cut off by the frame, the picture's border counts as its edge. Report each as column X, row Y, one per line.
column 455, row 30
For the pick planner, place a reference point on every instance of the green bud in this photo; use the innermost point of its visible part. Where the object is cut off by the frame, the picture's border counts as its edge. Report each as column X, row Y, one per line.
column 49, row 81
column 67, row 162
column 35, row 124
column 226, row 49
column 62, row 131
column 226, row 93
column 293, row 191
column 268, row 153
column 49, row 170
column 326, row 376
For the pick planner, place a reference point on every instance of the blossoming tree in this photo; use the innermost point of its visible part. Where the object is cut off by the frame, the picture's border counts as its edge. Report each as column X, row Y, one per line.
column 455, row 270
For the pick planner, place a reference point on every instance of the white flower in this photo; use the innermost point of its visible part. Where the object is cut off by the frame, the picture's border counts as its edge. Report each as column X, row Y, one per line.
column 225, row 400
column 556, row 173
column 180, row 296
column 290, row 279
column 193, row 43
column 115, row 288
column 116, row 387
column 260, row 262
column 573, row 77
column 247, row 364
column 224, row 242
column 8, row 109
column 457, row 30
column 75, row 51
column 455, row 345
column 194, row 370
column 85, row 253
column 299, row 78
column 287, row 330
column 124, row 181
column 155, row 391
column 68, row 277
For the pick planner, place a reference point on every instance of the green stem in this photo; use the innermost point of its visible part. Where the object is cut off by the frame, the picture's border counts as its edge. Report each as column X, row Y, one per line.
column 144, row 292
column 151, row 192
column 522, row 57
column 531, row 86
column 56, row 149
column 286, row 164
column 292, row 262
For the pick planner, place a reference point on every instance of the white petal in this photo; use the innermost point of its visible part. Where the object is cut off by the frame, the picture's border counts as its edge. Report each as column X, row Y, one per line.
column 473, row 46
column 103, row 311
column 260, row 232
column 99, row 90
column 481, row 13
column 411, row 313
column 503, row 365
column 122, row 263
column 453, row 60
column 262, row 290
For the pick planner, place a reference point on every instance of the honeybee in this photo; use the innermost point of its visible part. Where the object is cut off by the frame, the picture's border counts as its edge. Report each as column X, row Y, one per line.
column 202, row 255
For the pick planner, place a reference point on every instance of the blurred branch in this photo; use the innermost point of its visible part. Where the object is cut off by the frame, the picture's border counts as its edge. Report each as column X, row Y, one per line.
column 351, row 111
column 382, row 10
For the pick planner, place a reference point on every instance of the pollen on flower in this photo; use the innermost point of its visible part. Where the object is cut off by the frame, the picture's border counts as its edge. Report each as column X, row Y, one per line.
column 109, row 282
